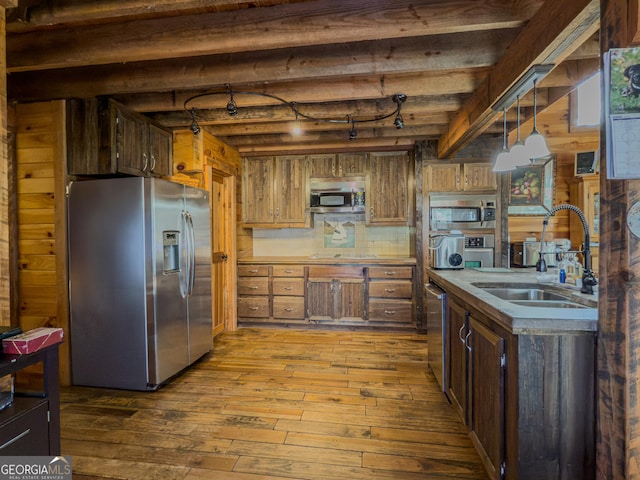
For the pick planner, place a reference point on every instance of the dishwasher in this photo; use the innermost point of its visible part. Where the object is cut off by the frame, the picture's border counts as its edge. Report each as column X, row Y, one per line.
column 436, row 300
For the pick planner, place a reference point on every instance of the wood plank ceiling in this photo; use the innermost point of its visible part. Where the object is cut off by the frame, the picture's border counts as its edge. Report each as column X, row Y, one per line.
column 335, row 59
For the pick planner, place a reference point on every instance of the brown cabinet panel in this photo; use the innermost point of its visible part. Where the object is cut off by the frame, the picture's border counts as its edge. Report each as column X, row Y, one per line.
column 288, row 271
column 388, row 192
column 253, row 286
column 390, row 272
column 322, row 165
column 285, row 286
column 351, row 164
column 396, row 289
column 321, row 303
column 394, row 311
column 456, row 332
column 443, row 178
column 351, row 299
column 479, row 176
column 291, row 190
column 253, row 307
column 257, row 190
column 288, row 307
column 487, row 401
column 326, row 271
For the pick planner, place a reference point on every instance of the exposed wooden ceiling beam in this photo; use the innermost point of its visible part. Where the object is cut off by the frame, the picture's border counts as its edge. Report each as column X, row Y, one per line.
column 439, row 53
column 283, row 26
column 547, row 38
column 41, row 14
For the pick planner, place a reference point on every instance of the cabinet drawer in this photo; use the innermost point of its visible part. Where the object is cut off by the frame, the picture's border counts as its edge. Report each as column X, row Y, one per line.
column 399, row 289
column 285, row 286
column 253, row 270
column 288, row 271
column 253, row 306
column 396, row 311
column 26, row 432
column 390, row 272
column 288, row 307
column 253, row 286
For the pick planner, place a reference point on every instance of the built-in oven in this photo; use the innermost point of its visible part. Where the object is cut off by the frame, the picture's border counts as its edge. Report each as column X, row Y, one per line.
column 479, row 251
column 462, row 212
column 435, row 302
column 339, row 195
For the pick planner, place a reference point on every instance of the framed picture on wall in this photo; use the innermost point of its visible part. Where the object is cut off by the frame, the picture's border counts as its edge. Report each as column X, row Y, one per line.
column 532, row 188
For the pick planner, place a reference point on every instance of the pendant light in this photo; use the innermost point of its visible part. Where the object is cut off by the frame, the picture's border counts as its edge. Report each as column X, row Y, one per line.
column 503, row 163
column 535, row 144
column 519, row 156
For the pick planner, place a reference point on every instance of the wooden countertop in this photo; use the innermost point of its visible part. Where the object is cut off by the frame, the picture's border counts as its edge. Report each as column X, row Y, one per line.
column 329, row 260
column 516, row 318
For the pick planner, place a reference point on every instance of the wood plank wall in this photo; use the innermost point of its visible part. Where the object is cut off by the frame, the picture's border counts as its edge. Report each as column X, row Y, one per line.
column 5, row 274
column 40, row 173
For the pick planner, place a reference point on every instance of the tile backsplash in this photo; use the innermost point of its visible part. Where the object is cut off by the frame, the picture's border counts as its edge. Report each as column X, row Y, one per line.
column 333, row 234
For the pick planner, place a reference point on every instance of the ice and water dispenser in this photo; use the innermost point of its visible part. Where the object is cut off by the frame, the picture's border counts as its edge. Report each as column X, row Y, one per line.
column 171, row 250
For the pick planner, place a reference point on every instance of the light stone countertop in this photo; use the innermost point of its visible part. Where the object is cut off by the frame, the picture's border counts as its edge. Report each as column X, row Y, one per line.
column 516, row 318
column 330, row 260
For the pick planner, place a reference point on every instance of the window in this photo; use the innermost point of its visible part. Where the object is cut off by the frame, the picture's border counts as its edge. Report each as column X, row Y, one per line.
column 586, row 103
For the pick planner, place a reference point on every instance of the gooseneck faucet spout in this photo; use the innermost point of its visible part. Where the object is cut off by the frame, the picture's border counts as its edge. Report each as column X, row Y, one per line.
column 588, row 277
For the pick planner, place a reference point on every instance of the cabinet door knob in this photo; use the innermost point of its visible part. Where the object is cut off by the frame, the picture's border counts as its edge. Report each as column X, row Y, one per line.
column 288, row 309
column 288, row 288
column 390, row 312
column 389, row 290
column 254, row 287
column 390, row 273
column 253, row 308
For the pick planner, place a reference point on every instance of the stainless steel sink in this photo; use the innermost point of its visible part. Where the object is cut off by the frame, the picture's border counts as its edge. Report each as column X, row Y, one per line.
column 531, row 295
column 512, row 294
column 548, row 303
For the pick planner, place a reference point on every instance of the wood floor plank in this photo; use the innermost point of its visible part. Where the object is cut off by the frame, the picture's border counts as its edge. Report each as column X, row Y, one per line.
column 271, row 404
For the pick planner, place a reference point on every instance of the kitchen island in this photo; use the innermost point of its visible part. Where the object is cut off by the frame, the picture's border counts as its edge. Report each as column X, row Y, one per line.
column 521, row 376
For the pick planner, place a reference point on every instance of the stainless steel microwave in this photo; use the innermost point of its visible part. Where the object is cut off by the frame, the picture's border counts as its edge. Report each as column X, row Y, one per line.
column 462, row 212
column 339, row 195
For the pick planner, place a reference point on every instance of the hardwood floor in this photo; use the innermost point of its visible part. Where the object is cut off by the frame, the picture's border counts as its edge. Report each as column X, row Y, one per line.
column 277, row 404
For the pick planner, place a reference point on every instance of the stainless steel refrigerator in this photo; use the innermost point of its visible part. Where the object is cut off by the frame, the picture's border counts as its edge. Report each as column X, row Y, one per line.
column 140, row 281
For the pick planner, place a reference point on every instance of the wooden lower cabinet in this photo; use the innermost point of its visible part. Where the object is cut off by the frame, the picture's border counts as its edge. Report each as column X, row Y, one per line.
column 527, row 399
column 350, row 295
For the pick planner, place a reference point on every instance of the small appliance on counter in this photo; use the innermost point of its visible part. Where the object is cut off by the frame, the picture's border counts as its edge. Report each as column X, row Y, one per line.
column 479, row 251
column 447, row 251
column 526, row 254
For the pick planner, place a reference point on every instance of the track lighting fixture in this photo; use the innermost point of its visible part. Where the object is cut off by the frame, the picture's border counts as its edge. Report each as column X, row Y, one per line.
column 195, row 128
column 232, row 109
column 518, row 155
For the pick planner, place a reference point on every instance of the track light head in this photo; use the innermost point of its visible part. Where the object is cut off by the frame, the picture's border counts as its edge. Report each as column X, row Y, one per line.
column 398, row 122
column 232, row 108
column 195, row 128
column 352, row 133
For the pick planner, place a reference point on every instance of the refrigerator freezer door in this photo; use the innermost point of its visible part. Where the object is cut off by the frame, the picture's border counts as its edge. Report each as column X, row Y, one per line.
column 108, row 277
column 199, row 301
column 167, row 325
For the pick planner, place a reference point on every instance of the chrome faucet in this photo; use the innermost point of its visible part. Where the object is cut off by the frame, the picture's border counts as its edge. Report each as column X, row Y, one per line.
column 588, row 277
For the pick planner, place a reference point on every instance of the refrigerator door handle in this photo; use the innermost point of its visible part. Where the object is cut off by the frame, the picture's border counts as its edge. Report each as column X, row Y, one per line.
column 191, row 273
column 185, row 284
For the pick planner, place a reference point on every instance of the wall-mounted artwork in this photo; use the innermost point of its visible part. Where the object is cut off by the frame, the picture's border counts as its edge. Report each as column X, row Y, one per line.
column 339, row 233
column 532, row 188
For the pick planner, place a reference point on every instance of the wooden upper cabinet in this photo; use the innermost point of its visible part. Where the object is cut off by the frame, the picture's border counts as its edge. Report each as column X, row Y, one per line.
column 257, row 190
column 388, row 190
column 105, row 138
column 291, row 192
column 479, row 176
column 340, row 165
column 456, row 177
column 275, row 192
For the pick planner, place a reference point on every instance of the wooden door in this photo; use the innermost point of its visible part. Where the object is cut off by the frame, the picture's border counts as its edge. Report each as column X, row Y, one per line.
column 443, row 178
column 222, row 234
column 321, row 299
column 131, row 141
column 292, row 196
column 351, row 299
column 321, row 165
column 160, row 145
column 479, row 177
column 487, row 396
column 456, row 360
column 388, row 195
column 351, row 164
column 257, row 184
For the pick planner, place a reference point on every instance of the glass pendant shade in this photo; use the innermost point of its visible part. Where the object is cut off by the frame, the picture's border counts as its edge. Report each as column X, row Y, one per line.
column 503, row 162
column 536, row 145
column 519, row 156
